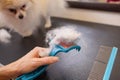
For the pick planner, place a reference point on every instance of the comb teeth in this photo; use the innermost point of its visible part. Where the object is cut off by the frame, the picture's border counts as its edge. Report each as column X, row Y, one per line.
column 77, row 48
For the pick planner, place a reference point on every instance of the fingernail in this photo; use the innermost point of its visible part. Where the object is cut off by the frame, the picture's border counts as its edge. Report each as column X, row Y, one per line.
column 56, row 58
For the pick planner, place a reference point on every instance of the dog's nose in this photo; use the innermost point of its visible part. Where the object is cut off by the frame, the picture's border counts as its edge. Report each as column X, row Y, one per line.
column 21, row 16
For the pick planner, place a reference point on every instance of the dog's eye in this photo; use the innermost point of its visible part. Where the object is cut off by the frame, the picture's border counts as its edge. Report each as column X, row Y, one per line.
column 23, row 6
column 12, row 10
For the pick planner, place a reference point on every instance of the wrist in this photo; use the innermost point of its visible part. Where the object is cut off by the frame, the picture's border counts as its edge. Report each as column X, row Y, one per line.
column 14, row 70
column 9, row 72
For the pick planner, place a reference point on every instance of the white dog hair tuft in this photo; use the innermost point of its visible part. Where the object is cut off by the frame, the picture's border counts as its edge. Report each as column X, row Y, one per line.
column 66, row 34
column 56, row 36
column 4, row 36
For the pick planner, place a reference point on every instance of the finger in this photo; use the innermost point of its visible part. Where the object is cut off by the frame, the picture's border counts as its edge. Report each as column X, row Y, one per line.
column 35, row 52
column 44, row 52
column 46, row 60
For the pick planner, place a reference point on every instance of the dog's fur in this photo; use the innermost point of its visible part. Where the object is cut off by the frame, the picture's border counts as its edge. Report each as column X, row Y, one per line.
column 24, row 16
column 64, row 34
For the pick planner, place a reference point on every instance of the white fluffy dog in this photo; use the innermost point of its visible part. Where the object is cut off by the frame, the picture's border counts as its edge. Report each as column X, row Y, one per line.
column 24, row 16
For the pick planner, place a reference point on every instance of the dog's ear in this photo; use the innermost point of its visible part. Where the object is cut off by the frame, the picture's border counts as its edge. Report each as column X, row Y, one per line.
column 4, row 3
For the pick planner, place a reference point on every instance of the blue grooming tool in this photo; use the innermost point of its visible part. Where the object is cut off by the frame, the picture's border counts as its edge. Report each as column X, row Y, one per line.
column 40, row 70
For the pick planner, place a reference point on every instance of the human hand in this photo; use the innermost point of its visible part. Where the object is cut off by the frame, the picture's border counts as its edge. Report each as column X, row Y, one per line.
column 30, row 62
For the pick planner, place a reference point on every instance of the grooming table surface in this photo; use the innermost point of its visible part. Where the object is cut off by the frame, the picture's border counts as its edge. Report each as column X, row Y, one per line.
column 71, row 66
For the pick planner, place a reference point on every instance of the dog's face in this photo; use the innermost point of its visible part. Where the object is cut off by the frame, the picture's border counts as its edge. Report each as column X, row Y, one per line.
column 16, row 8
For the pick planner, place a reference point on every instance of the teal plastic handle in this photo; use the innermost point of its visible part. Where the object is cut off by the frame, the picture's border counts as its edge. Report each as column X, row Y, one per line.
column 34, row 74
